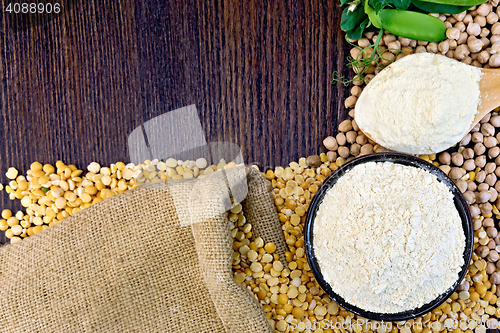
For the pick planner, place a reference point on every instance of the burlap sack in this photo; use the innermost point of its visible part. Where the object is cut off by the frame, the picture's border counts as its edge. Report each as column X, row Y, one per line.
column 127, row 265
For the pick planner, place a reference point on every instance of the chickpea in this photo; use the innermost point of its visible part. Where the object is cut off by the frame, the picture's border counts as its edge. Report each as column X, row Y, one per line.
column 331, row 156
column 420, row 49
column 486, row 208
column 494, row 60
column 465, row 140
column 471, row 185
column 341, row 139
column 486, row 42
column 494, row 194
column 388, row 39
column 444, row 46
column 491, row 18
column 490, row 168
column 482, row 251
column 495, row 121
column 469, row 197
column 432, row 47
column 355, row 149
column 491, row 179
column 362, row 139
column 495, row 28
column 469, row 165
column 479, row 148
column 366, row 149
column 475, row 45
column 351, row 136
column 483, row 196
column 484, row 33
column 350, row 102
column 463, row 37
column 457, row 159
column 343, row 152
column 480, row 176
column 460, row 16
column 364, row 43
column 490, row 142
column 480, row 20
column 468, row 153
column 487, row 129
column 490, row 268
column 453, row 33
column 483, row 57
column 477, row 137
column 483, row 187
column 456, row 173
column 330, row 143
column 445, row 158
column 462, row 51
column 394, row 46
column 462, row 185
column 486, row 118
column 474, row 211
column 495, row 279
column 491, row 231
column 483, row 9
column 491, row 244
column 467, row 61
column 404, row 41
column 476, row 63
column 476, row 224
column 493, row 256
column 495, row 48
column 467, row 19
column 480, row 161
column 489, row 222
column 460, row 26
column 473, row 29
column 493, row 152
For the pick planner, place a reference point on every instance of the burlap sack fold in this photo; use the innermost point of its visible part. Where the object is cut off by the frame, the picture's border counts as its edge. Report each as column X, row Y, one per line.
column 127, row 265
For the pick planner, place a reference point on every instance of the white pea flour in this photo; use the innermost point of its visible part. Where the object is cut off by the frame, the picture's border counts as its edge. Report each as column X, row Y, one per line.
column 388, row 237
column 421, row 104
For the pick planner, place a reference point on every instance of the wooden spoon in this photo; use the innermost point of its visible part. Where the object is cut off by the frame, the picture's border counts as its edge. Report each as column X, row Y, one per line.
column 489, row 87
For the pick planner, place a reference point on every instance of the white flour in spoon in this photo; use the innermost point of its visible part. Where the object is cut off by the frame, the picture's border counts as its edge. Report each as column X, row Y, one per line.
column 423, row 103
column 388, row 237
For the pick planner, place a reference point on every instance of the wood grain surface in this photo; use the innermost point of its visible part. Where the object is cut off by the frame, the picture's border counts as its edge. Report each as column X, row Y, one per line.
column 259, row 72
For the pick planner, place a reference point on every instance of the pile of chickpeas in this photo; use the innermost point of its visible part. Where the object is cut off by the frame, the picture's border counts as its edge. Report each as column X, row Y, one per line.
column 473, row 37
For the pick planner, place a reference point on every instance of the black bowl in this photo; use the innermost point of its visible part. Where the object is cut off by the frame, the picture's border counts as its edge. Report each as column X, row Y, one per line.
column 460, row 204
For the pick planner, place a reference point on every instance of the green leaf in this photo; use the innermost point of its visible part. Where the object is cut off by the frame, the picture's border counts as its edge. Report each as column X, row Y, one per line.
column 468, row 3
column 343, row 2
column 351, row 20
column 357, row 33
column 438, row 8
column 402, row 4
column 378, row 5
column 45, row 189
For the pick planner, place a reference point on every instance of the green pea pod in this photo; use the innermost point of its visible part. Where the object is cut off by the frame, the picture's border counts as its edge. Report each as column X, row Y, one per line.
column 412, row 25
column 468, row 3
column 431, row 7
column 372, row 15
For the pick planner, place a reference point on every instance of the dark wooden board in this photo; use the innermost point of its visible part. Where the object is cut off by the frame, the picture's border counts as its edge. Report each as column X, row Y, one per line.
column 259, row 73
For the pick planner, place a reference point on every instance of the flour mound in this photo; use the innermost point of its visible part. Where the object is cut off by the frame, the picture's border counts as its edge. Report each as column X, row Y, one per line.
column 388, row 237
column 421, row 104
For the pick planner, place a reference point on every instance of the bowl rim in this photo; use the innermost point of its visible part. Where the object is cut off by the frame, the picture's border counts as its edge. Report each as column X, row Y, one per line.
column 404, row 159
